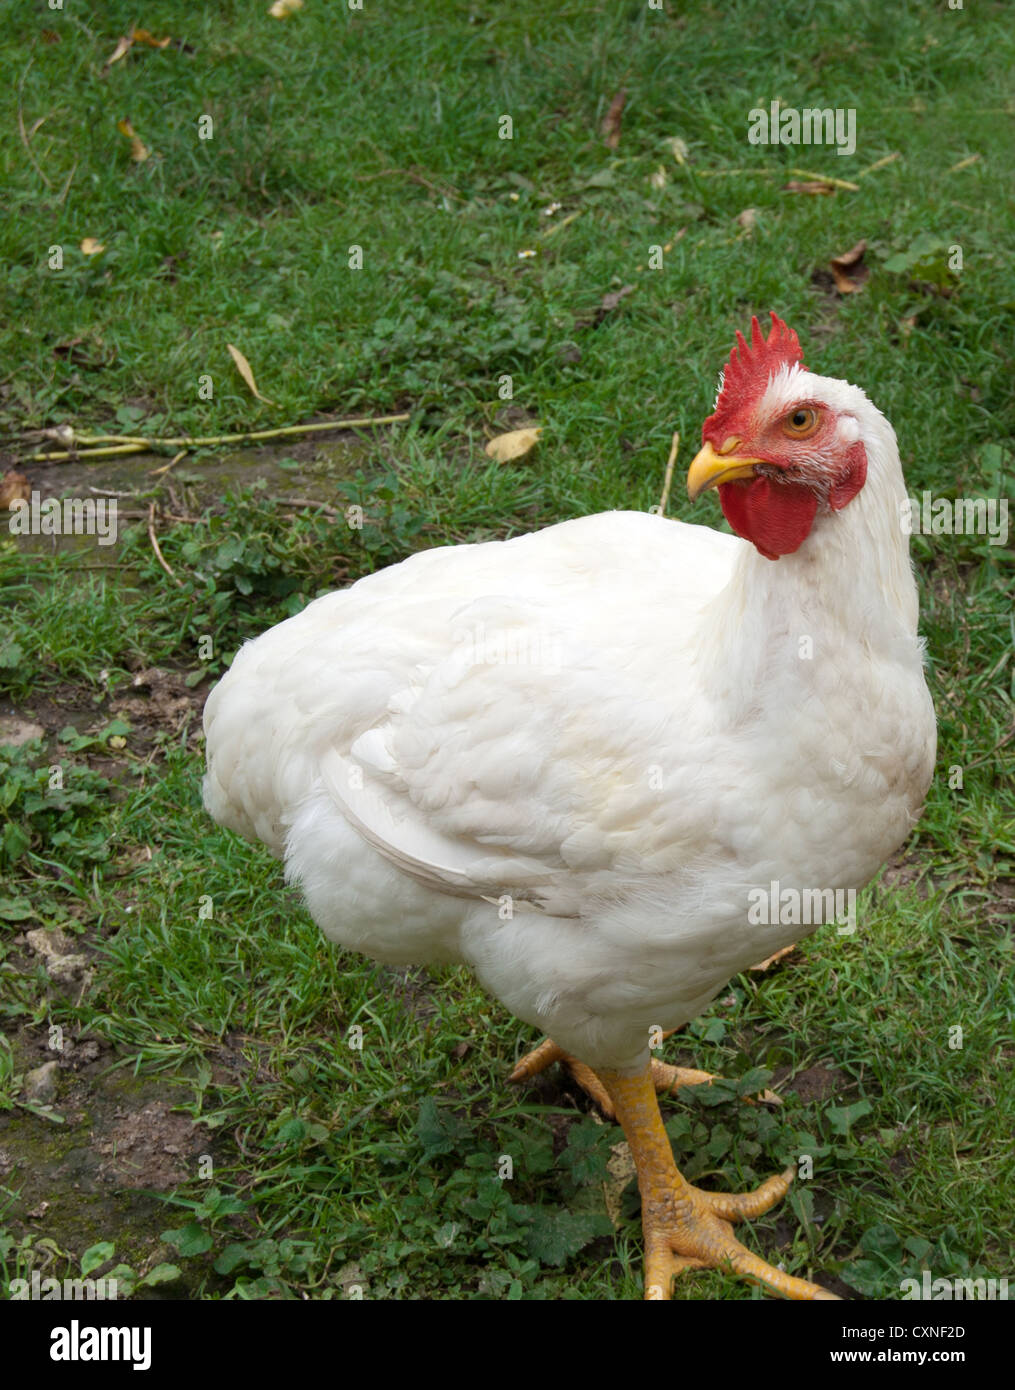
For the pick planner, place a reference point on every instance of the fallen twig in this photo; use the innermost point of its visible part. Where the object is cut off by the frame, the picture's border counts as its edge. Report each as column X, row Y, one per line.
column 158, row 553
column 880, row 163
column 668, row 479
column 87, row 453
column 559, row 226
column 136, row 444
column 154, row 472
column 827, row 178
column 726, row 173
column 67, row 184
column 111, row 492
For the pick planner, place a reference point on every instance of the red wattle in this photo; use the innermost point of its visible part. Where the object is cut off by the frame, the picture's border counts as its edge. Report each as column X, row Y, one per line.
column 774, row 517
column 852, row 480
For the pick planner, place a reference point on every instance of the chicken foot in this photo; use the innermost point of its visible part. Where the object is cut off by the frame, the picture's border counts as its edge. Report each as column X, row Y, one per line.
column 684, row 1227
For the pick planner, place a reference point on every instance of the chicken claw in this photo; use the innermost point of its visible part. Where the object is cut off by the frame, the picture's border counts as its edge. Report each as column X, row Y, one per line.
column 686, row 1228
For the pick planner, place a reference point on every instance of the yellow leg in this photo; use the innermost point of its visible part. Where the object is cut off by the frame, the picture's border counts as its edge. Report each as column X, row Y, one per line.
column 665, row 1078
column 684, row 1227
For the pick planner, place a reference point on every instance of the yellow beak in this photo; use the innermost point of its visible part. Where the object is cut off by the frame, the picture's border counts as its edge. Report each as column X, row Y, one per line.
column 709, row 469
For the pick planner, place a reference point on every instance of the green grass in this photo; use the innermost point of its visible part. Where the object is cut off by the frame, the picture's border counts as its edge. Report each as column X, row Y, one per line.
column 335, row 1166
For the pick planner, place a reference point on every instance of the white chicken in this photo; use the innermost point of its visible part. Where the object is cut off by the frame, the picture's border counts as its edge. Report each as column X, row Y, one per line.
column 575, row 759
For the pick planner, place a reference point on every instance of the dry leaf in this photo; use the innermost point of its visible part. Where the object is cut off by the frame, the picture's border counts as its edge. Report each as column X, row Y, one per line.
column 91, row 247
column 513, row 445
column 612, row 119
column 816, row 186
column 243, row 367
column 606, row 306
column 747, row 219
column 127, row 42
column 848, row 270
column 143, row 36
column 769, row 961
column 138, row 150
column 123, row 46
column 65, row 349
column 282, row 9
column 965, row 163
column 14, row 487
column 678, row 149
column 659, row 179
column 610, row 301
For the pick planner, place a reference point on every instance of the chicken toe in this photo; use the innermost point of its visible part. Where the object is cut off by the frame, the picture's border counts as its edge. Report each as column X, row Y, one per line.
column 686, row 1228
column 666, row 1078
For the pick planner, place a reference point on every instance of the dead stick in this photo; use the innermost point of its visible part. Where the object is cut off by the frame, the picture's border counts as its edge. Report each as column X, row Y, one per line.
column 155, row 546
column 880, row 163
column 154, row 472
column 106, row 452
column 827, row 178
column 127, row 443
column 668, row 479
column 66, row 187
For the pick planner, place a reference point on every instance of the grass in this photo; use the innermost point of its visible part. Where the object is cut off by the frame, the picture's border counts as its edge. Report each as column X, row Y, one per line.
column 339, row 1167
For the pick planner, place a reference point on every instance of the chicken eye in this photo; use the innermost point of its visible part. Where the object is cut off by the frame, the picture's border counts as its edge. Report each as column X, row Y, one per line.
column 801, row 423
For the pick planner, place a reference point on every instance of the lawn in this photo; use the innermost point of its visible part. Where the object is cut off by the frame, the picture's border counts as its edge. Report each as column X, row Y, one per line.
column 238, row 1110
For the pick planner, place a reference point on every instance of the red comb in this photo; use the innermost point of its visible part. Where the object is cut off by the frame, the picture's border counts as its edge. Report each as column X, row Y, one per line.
column 749, row 369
